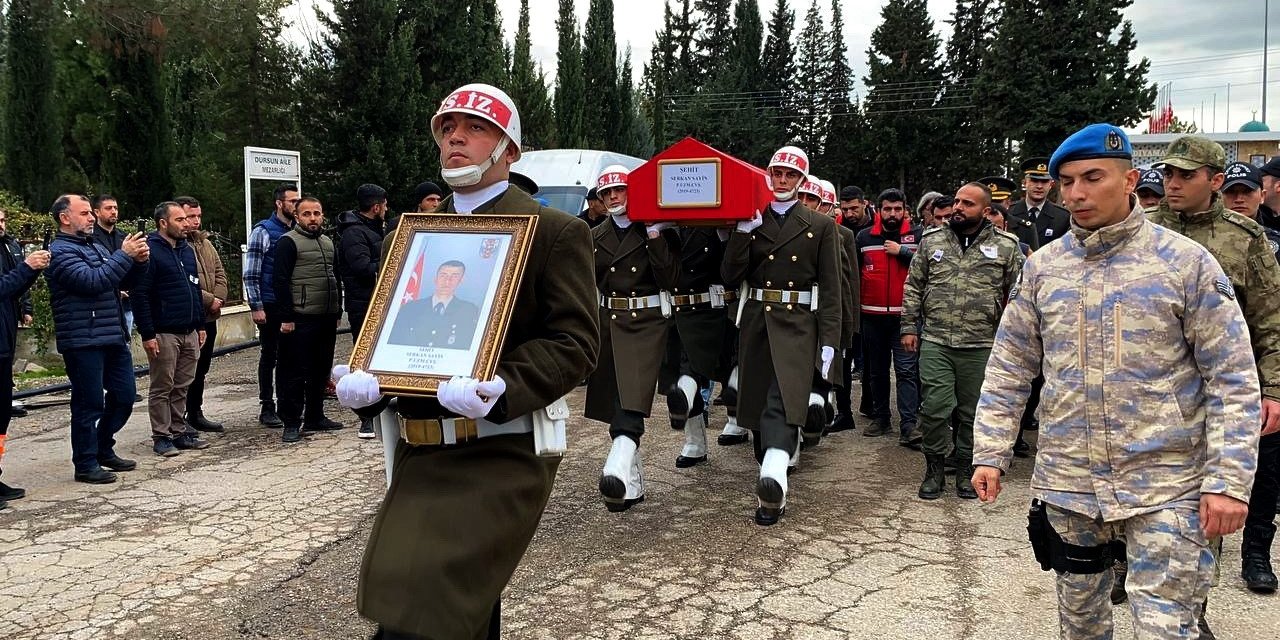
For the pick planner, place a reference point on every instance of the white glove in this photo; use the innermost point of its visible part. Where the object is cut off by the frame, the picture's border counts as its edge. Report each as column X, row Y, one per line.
column 828, row 354
column 469, row 397
column 747, row 226
column 357, row 389
column 339, row 370
column 659, row 227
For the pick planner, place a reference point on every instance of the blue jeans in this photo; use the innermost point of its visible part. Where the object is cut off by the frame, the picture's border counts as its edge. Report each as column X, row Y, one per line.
column 95, row 416
column 882, row 345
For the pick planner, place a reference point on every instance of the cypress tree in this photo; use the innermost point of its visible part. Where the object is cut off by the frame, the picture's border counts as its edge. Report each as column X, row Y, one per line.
column 634, row 137
column 528, row 87
column 570, row 87
column 371, row 127
column 973, row 146
column 658, row 77
column 713, row 38
column 845, row 137
column 31, row 141
column 486, row 48
column 810, row 90
column 778, row 69
column 904, row 81
column 601, row 100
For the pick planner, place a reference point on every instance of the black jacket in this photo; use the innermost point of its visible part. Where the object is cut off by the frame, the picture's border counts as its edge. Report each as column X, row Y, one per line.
column 1052, row 223
column 1268, row 218
column 168, row 293
column 359, row 255
column 16, row 279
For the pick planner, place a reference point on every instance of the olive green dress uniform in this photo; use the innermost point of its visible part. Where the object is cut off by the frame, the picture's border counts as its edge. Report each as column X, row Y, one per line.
column 456, row 520
column 630, row 265
column 782, row 341
column 699, row 330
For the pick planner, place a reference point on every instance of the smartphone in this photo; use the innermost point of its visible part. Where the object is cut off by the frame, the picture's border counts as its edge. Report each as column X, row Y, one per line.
column 142, row 225
column 48, row 236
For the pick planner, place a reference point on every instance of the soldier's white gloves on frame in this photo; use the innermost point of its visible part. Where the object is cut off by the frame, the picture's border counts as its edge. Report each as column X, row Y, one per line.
column 469, row 397
column 747, row 226
column 659, row 227
column 828, row 354
column 356, row 389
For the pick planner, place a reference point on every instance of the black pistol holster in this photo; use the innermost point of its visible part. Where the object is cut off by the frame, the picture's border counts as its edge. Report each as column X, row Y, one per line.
column 1052, row 552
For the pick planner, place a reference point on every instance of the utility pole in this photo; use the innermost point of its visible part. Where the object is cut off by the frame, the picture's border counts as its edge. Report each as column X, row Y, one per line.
column 1266, row 19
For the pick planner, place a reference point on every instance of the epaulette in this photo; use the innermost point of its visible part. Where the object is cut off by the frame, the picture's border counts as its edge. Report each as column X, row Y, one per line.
column 1255, row 230
column 1006, row 234
column 931, row 230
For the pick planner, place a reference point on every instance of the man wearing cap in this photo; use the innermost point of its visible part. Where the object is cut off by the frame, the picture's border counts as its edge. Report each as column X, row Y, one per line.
column 1050, row 219
column 426, row 197
column 1242, row 193
column 789, row 322
column 1151, row 401
column 1269, row 212
column 468, row 489
column 1001, row 189
column 1150, row 188
column 634, row 265
column 594, row 213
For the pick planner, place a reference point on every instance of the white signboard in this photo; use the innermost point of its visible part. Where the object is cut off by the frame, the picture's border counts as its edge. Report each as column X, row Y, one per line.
column 272, row 164
column 689, row 183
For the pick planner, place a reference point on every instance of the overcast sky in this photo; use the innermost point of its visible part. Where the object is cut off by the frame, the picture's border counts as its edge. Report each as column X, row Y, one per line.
column 1206, row 49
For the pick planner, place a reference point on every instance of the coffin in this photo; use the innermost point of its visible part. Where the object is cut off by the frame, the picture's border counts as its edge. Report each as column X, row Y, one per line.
column 691, row 183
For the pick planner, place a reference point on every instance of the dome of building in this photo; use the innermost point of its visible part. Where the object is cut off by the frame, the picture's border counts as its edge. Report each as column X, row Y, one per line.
column 1254, row 126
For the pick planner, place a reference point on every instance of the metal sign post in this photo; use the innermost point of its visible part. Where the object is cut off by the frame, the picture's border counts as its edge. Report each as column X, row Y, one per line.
column 261, row 163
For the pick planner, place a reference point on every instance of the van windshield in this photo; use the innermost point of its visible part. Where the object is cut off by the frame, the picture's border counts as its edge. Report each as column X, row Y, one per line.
column 567, row 199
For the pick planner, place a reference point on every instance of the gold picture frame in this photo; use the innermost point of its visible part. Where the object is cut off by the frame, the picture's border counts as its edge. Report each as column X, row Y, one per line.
column 443, row 300
column 670, row 200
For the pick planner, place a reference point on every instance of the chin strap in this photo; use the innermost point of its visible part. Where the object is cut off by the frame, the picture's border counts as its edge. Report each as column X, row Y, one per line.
column 472, row 173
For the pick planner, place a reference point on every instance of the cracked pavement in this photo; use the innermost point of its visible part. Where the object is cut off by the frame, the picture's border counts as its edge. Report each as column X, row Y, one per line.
column 252, row 538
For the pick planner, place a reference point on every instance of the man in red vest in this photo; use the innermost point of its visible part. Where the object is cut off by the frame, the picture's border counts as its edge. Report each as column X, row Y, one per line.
column 884, row 254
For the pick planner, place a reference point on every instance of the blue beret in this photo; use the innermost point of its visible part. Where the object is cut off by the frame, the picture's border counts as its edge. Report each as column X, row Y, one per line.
column 1100, row 140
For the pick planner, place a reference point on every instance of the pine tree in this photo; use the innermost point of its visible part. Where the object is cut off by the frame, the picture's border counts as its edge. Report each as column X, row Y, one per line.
column 812, row 118
column 658, row 77
column 31, row 140
column 570, row 85
column 844, row 144
column 486, row 45
column 634, row 137
column 903, row 85
column 778, row 70
column 748, row 125
column 1040, row 94
column 713, row 39
column 601, row 99
column 370, row 127
column 973, row 146
column 528, row 87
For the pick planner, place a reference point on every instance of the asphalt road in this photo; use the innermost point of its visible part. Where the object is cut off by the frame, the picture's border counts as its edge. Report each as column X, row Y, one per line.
column 252, row 538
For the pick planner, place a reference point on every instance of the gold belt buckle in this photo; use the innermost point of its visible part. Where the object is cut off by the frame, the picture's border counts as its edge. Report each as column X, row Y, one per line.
column 771, row 295
column 429, row 432
column 618, row 303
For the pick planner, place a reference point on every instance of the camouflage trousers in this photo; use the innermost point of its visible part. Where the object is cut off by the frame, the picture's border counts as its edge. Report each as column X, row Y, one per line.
column 1171, row 566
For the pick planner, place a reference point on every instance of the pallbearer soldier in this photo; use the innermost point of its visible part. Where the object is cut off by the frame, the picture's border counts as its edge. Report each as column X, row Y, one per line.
column 696, row 343
column 789, row 259
column 635, row 266
column 820, row 414
column 851, row 300
column 468, row 489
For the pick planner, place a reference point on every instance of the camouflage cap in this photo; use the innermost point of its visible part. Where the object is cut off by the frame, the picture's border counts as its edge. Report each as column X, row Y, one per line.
column 1193, row 152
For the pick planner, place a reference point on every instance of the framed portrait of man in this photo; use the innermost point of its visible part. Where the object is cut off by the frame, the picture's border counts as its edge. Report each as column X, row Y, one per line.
column 443, row 300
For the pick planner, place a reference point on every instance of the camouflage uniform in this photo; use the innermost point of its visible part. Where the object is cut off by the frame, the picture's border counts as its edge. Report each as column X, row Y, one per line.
column 958, row 295
column 1149, row 401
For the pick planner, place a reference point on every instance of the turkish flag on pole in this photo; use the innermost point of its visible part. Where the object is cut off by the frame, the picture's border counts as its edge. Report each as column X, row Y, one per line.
column 412, row 290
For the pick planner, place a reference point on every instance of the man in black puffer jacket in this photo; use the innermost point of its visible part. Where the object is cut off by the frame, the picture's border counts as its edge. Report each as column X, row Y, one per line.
column 16, row 277
column 360, row 236
column 170, row 314
column 88, row 323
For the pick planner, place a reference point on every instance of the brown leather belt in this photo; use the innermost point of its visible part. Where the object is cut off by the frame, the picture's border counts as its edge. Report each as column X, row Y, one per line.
column 431, row 432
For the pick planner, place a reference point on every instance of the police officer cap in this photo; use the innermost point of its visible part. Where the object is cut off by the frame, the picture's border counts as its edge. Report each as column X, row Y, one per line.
column 1242, row 173
column 1152, row 181
column 523, row 182
column 1271, row 168
column 999, row 186
column 1192, row 152
column 1036, row 168
column 1099, row 140
column 851, row 193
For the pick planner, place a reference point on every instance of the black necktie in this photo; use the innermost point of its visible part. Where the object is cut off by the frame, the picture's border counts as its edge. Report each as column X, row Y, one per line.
column 439, row 308
column 1035, row 211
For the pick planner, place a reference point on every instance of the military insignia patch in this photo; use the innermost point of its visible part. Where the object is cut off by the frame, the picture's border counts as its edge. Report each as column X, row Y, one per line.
column 989, row 251
column 937, row 255
column 1013, row 291
column 1225, row 288
column 1274, row 246
column 1113, row 141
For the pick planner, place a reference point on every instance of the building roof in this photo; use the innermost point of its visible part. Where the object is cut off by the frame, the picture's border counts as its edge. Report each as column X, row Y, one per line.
column 1254, row 126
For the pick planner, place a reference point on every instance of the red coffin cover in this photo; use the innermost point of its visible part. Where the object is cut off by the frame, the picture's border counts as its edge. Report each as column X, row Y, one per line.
column 744, row 189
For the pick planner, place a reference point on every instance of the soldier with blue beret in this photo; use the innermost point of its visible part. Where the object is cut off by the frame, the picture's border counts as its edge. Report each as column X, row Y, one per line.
column 1151, row 404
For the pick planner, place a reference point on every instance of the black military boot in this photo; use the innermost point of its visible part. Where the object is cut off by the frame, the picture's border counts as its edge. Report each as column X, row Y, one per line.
column 1205, row 632
column 1119, row 574
column 11, row 493
column 964, row 483
column 1255, row 557
column 934, row 477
